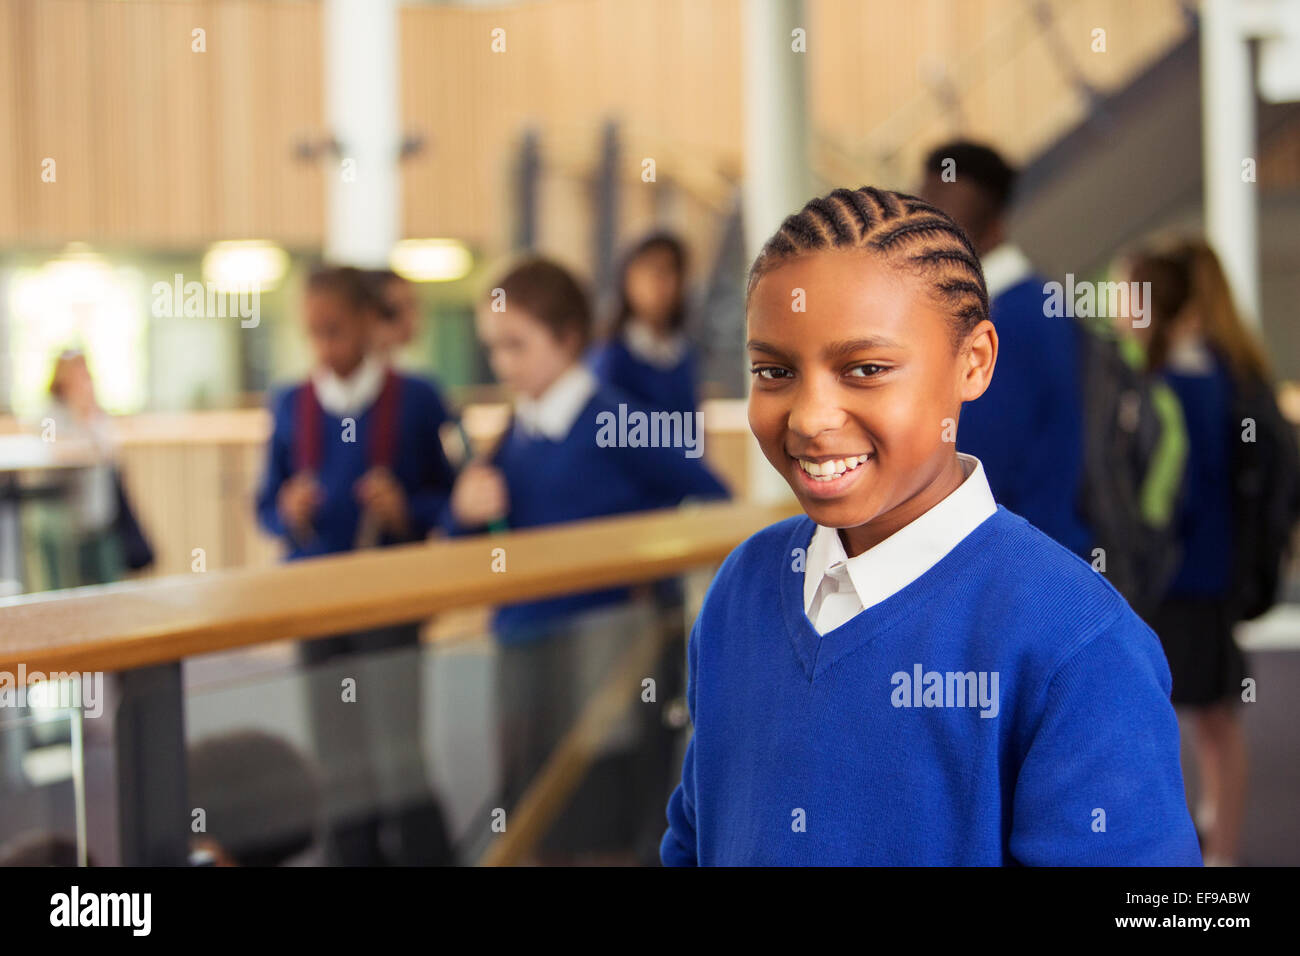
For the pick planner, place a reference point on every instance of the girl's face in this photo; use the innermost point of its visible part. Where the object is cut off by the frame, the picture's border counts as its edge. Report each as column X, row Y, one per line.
column 654, row 285
column 74, row 383
column 863, row 384
column 525, row 355
column 1123, row 323
column 340, row 334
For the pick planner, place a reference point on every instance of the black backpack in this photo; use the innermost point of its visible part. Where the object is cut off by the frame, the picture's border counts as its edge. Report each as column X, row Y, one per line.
column 1266, row 499
column 1122, row 431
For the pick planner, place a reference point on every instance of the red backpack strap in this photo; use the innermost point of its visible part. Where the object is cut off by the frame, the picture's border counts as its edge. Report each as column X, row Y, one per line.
column 306, row 429
column 383, row 437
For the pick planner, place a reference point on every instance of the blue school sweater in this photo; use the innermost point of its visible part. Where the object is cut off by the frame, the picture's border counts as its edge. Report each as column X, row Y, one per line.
column 832, row 749
column 673, row 389
column 419, row 465
column 551, row 482
column 1027, row 427
column 1205, row 519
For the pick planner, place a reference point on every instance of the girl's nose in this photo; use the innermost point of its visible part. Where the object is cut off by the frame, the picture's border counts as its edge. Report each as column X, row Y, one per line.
column 816, row 409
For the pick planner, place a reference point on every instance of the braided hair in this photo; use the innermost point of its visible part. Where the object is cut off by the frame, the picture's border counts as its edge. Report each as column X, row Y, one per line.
column 904, row 230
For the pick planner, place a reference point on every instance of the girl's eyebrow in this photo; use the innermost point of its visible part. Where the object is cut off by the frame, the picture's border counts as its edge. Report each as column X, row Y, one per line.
column 836, row 350
column 757, row 346
column 833, row 350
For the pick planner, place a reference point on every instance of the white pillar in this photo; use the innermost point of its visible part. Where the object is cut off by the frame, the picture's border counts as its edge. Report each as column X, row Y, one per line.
column 361, row 107
column 1228, row 135
column 777, row 177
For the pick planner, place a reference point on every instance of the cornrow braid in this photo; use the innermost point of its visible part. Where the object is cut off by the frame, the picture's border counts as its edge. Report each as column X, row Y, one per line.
column 902, row 229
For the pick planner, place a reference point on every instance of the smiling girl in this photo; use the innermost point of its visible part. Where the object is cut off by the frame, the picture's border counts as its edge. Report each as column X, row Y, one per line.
column 909, row 674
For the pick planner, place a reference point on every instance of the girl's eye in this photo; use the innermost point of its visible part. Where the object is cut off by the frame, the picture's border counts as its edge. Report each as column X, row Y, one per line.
column 867, row 371
column 769, row 372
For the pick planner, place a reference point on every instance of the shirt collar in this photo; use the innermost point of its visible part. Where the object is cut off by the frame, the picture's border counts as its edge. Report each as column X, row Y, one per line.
column 656, row 350
column 1190, row 357
column 351, row 395
column 554, row 413
column 1004, row 267
column 909, row 552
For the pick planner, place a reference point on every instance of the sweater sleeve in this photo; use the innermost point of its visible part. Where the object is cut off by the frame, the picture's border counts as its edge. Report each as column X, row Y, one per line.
column 279, row 465
column 678, row 846
column 429, row 503
column 668, row 476
column 1100, row 783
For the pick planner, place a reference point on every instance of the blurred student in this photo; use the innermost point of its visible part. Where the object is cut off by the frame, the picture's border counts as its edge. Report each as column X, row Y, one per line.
column 1027, row 429
column 106, row 539
column 355, row 461
column 647, row 355
column 1198, row 344
column 552, row 467
column 908, row 673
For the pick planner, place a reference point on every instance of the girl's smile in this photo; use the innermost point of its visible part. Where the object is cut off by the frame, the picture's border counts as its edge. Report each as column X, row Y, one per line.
column 829, row 477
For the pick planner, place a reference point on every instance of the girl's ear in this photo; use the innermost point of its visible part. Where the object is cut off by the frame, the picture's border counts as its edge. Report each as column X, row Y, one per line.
column 979, row 355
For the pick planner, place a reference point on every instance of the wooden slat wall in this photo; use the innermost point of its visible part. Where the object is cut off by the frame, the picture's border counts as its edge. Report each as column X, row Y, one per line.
column 13, row 166
column 198, row 495
column 668, row 72
column 158, row 145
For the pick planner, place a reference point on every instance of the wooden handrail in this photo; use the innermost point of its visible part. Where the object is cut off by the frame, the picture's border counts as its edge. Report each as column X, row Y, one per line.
column 136, row 624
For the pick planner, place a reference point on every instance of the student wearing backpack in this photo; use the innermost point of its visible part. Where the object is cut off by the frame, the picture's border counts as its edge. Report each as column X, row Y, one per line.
column 1239, row 505
column 1073, row 436
column 1028, row 427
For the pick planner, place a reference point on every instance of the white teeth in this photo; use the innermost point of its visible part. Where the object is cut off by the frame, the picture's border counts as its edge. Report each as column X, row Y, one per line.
column 830, row 470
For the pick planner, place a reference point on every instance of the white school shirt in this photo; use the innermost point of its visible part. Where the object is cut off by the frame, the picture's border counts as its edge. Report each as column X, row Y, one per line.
column 647, row 345
column 837, row 587
column 553, row 414
column 344, row 397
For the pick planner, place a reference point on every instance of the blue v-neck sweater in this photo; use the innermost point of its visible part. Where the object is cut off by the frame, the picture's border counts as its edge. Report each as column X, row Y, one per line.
column 1007, row 707
column 577, row 478
column 419, row 466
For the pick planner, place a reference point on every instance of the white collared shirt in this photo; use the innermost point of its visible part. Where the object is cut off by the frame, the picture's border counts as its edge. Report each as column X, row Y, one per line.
column 652, row 348
column 343, row 397
column 837, row 587
column 555, row 412
column 1004, row 267
column 1190, row 356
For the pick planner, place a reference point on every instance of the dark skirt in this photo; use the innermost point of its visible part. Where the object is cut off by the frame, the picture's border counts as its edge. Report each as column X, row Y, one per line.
column 1205, row 662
